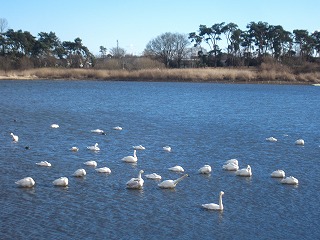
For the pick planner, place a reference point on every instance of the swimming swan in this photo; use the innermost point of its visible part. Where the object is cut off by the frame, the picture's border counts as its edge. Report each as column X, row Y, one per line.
column 244, row 172
column 153, row 176
column 94, row 148
column 271, row 139
column 136, row 183
column 91, row 163
column 176, row 169
column 15, row 138
column 206, row 169
column 61, row 182
column 230, row 167
column 290, row 180
column 44, row 164
column 97, row 131
column 171, row 183
column 233, row 160
column 278, row 174
column 80, row 173
column 167, row 148
column 103, row 170
column 117, row 128
column 139, row 147
column 299, row 142
column 54, row 125
column 131, row 159
column 214, row 206
column 26, row 182
column 74, row 149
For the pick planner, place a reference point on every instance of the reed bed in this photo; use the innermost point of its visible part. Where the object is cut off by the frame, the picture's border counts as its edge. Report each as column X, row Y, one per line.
column 245, row 75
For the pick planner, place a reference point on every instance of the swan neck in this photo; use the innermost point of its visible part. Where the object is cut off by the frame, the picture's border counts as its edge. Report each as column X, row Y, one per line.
column 220, row 202
column 179, row 179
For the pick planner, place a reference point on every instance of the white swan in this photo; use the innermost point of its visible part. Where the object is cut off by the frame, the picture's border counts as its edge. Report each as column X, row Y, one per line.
column 80, row 173
column 299, row 142
column 167, row 148
column 230, row 167
column 94, row 148
column 206, row 169
column 15, row 138
column 171, row 183
column 54, row 125
column 176, row 169
column 271, row 139
column 74, row 149
column 233, row 160
column 290, row 180
column 117, row 128
column 244, row 172
column 44, row 164
column 136, row 183
column 97, row 131
column 103, row 170
column 278, row 174
column 61, row 182
column 131, row 159
column 153, row 176
column 214, row 206
column 91, row 163
column 26, row 182
column 139, row 147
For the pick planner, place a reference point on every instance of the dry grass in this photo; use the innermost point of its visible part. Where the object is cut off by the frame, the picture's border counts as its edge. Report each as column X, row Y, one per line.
column 262, row 75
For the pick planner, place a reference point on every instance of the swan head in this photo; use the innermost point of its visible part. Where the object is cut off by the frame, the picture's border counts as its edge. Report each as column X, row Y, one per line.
column 221, row 193
column 141, row 171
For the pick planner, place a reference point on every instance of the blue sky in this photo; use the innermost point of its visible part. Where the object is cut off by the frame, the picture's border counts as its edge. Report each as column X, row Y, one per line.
column 135, row 22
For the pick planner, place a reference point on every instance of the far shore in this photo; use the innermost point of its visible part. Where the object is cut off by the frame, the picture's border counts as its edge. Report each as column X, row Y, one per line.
column 218, row 75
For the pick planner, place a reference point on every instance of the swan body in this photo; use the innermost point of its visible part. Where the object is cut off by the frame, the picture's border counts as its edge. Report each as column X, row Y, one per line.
column 94, row 148
column 26, row 182
column 139, row 147
column 136, row 183
column 131, row 159
column 153, row 176
column 176, row 169
column 44, row 164
column 271, row 139
column 206, row 169
column 278, row 174
column 290, row 180
column 117, row 128
column 167, row 148
column 103, row 170
column 91, row 163
column 171, row 183
column 80, row 173
column 15, row 138
column 214, row 206
column 233, row 160
column 61, row 182
column 97, row 131
column 244, row 172
column 230, row 167
column 54, row 125
column 299, row 142
column 74, row 149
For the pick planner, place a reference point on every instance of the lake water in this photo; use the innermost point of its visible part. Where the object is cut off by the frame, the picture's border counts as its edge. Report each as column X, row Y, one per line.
column 203, row 123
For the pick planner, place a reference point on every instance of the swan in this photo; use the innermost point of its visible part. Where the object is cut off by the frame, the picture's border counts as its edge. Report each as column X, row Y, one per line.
column 131, row 159
column 91, row 163
column 15, row 138
column 74, row 149
column 176, row 169
column 214, row 206
column 103, row 170
column 233, row 160
column 54, row 125
column 136, row 183
column 271, row 139
column 171, row 183
column 80, row 173
column 205, row 169
column 299, row 142
column 244, row 172
column 44, row 164
column 117, row 128
column 97, row 131
column 230, row 167
column 139, row 147
column 153, row 176
column 62, row 182
column 94, row 148
column 278, row 174
column 26, row 182
column 290, row 180
column 167, row 148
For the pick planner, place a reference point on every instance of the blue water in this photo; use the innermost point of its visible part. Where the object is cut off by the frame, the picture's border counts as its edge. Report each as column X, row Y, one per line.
column 203, row 123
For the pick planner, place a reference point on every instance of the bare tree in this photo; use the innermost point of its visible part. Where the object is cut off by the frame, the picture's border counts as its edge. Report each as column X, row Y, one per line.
column 3, row 25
